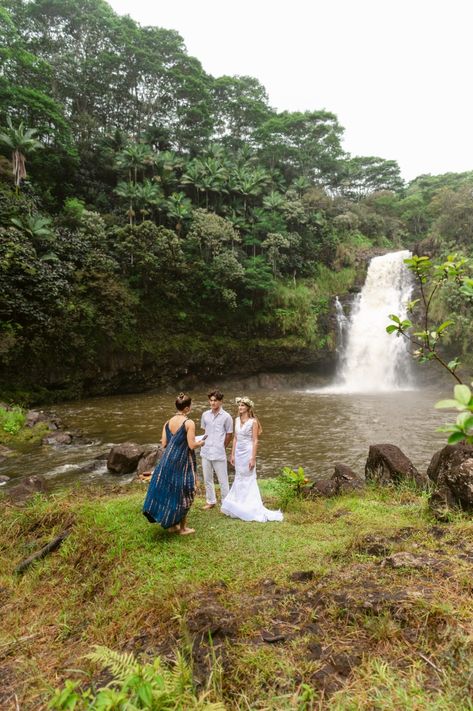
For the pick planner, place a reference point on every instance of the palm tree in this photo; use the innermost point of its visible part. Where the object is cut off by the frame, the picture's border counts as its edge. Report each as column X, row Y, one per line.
column 248, row 182
column 273, row 201
column 215, row 151
column 192, row 176
column 301, row 184
column 168, row 164
column 20, row 141
column 130, row 193
column 179, row 207
column 148, row 193
column 133, row 158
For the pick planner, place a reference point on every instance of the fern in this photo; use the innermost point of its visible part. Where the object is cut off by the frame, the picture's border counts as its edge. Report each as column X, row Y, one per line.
column 136, row 686
column 120, row 665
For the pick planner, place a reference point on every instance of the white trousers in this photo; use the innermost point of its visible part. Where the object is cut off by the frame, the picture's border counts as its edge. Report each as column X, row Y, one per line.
column 219, row 467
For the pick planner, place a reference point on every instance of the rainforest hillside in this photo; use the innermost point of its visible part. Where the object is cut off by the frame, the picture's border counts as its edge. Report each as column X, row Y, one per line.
column 159, row 224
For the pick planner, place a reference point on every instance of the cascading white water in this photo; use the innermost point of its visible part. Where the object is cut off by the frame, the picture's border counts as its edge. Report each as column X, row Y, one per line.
column 373, row 360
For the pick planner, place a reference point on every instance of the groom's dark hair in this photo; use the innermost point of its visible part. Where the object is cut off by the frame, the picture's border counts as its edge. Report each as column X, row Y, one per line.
column 217, row 394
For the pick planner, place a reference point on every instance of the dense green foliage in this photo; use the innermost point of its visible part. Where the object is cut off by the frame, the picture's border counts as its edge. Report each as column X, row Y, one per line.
column 142, row 199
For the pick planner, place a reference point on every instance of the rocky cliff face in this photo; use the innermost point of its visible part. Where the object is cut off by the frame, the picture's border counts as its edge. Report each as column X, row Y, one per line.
column 176, row 360
column 215, row 359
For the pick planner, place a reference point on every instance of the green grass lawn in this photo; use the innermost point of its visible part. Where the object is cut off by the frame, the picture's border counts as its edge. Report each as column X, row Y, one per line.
column 295, row 615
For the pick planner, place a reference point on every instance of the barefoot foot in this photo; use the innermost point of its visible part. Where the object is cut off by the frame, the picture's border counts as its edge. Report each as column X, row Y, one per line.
column 186, row 531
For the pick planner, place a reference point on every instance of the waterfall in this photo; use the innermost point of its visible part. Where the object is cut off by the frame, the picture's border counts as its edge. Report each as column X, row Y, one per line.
column 372, row 360
column 342, row 327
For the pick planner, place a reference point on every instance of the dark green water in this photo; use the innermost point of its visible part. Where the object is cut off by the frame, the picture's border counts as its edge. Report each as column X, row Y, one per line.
column 310, row 429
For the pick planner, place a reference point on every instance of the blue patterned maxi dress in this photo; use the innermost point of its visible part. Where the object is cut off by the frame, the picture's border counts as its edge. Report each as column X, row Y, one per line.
column 172, row 486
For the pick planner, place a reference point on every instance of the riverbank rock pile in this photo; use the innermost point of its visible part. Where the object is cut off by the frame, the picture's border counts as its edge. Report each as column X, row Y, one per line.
column 57, row 434
column 451, row 470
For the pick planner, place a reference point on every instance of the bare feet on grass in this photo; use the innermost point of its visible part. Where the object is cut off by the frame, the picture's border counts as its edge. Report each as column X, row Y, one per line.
column 186, row 531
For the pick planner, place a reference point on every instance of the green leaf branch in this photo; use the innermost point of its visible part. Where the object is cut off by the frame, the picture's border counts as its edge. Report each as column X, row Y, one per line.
column 462, row 429
column 430, row 279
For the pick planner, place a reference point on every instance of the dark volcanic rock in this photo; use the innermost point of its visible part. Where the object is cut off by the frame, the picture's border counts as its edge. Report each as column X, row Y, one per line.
column 342, row 481
column 452, row 471
column 387, row 463
column 322, row 487
column 148, row 462
column 346, row 480
column 124, row 458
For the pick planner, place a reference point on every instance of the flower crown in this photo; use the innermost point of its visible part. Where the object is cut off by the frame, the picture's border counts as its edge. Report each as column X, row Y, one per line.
column 244, row 401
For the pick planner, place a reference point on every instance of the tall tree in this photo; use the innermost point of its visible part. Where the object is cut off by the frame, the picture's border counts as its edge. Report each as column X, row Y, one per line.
column 303, row 143
column 240, row 105
column 369, row 174
column 20, row 141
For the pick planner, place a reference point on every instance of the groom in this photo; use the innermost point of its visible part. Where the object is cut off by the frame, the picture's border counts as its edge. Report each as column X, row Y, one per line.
column 218, row 426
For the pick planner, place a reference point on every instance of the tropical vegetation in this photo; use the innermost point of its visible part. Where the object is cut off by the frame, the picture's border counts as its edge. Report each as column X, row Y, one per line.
column 148, row 210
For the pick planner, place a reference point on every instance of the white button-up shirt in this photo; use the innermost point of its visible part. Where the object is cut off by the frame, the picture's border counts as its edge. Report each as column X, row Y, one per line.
column 216, row 428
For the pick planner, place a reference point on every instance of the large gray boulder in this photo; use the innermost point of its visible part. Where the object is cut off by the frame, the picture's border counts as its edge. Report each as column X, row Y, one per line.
column 124, row 458
column 451, row 468
column 387, row 464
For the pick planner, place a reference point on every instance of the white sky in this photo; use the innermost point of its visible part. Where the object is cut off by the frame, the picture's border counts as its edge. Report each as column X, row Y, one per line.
column 397, row 74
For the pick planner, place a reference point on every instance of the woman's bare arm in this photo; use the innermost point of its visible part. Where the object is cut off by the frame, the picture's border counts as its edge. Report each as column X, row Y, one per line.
column 232, row 456
column 191, row 440
column 164, row 439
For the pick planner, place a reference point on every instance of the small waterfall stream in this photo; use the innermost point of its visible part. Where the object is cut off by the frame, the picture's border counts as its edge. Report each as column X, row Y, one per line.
column 372, row 360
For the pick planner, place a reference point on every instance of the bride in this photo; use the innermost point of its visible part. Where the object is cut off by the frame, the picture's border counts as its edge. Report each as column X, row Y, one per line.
column 244, row 498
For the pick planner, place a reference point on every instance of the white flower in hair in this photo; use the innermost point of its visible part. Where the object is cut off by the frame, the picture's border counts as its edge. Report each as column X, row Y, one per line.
column 244, row 401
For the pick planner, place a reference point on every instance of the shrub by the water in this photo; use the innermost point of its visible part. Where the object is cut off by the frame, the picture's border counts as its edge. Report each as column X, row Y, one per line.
column 11, row 421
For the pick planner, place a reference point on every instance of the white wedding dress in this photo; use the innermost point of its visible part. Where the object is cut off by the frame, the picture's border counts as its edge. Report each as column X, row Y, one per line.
column 244, row 498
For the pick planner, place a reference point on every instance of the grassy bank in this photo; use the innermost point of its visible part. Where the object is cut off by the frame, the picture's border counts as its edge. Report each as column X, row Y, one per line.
column 299, row 615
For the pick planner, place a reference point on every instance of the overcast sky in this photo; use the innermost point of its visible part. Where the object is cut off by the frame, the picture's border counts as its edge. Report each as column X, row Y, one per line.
column 397, row 74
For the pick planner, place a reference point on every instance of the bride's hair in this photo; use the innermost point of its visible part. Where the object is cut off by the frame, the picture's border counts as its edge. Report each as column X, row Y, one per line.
column 250, row 405
column 251, row 413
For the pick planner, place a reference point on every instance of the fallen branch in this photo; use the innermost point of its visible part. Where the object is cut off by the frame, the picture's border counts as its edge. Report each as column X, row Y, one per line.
column 42, row 553
column 429, row 661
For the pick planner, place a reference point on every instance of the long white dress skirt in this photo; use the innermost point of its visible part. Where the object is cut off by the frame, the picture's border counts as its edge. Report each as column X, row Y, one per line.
column 244, row 498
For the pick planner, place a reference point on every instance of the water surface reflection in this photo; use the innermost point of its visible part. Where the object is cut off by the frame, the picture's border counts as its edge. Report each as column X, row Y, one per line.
column 312, row 429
